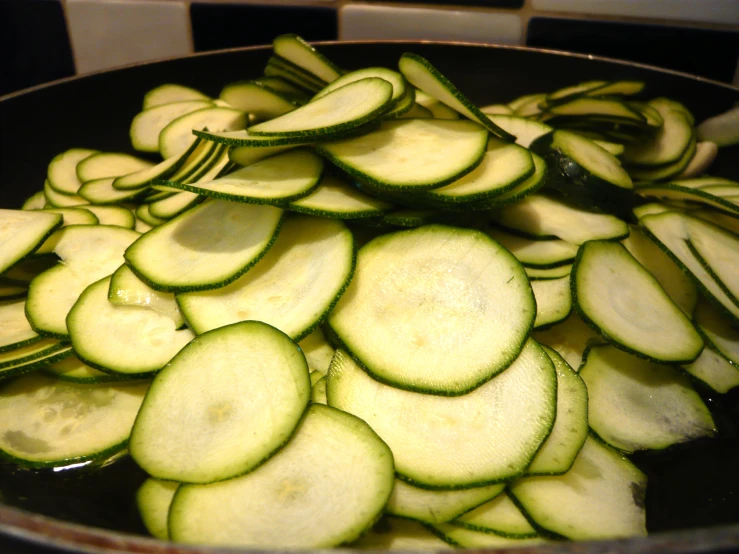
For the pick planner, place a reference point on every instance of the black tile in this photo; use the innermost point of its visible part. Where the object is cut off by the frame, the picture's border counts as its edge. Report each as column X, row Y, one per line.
column 704, row 52
column 489, row 3
column 217, row 26
column 34, row 45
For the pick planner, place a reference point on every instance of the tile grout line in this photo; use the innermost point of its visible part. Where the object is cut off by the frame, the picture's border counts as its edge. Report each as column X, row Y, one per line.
column 69, row 35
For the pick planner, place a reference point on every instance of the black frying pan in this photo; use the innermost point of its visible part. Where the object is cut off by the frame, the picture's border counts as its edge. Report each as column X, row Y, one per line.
column 693, row 494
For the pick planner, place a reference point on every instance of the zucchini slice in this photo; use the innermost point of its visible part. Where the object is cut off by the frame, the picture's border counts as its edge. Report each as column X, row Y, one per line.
column 206, row 247
column 256, row 99
column 55, row 199
column 239, row 412
column 15, row 331
column 122, row 339
column 421, row 74
column 678, row 286
column 112, row 215
column 48, row 352
column 342, row 109
column 670, row 231
column 317, row 351
column 109, row 164
column 411, row 154
column 714, row 370
column 499, row 516
column 177, row 136
column 722, row 128
column 74, row 370
column 396, row 533
column 337, row 199
column 418, row 316
column 525, row 130
column 535, row 253
column 484, row 437
column 570, row 430
column 62, row 172
column 542, row 216
column 553, row 300
column 569, row 339
column 45, row 422
column 618, row 296
column 718, row 331
column 335, row 472
column 128, row 290
column 148, row 124
column 600, row 497
column 503, row 167
column 22, row 232
column 467, row 538
column 670, row 142
column 292, row 288
column 297, row 51
column 153, row 499
column 437, row 506
column 168, row 93
column 634, row 404
column 88, row 253
column 281, row 178
column 393, row 77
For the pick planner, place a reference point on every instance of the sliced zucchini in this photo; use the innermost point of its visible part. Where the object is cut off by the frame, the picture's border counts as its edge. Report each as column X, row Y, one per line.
column 553, row 300
column 535, row 253
column 206, row 247
column 62, row 172
column 55, row 352
column 411, row 153
column 714, row 370
column 102, row 192
column 45, row 422
column 112, row 215
column 487, row 436
column 148, row 124
column 88, row 253
column 570, row 430
column 674, row 191
column 167, row 93
column 281, row 178
column 569, row 339
column 317, row 351
column 28, row 352
column 634, row 404
column 109, row 164
column 37, row 201
column 257, row 99
column 335, row 471
column 705, row 153
column 722, row 128
column 153, row 499
column 678, row 286
column 421, row 74
column 542, row 216
column 15, row 331
column 335, row 198
column 393, row 77
column 12, row 289
column 467, row 538
column 177, row 136
column 419, row 317
column 600, row 497
column 128, row 290
column 525, row 130
column 74, row 370
column 122, row 339
column 292, row 288
column 671, row 232
column 670, row 142
column 22, row 232
column 395, row 533
column 617, row 295
column 56, row 199
column 239, row 412
column 504, row 167
column 499, row 516
column 342, row 109
column 718, row 331
column 437, row 506
column 438, row 110
column 296, row 50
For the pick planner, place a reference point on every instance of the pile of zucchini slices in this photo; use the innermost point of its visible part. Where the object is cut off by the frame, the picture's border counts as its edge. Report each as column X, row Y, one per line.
column 352, row 307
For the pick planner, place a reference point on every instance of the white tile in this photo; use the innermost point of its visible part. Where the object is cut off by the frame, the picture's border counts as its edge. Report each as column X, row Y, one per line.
column 712, row 11
column 385, row 22
column 111, row 33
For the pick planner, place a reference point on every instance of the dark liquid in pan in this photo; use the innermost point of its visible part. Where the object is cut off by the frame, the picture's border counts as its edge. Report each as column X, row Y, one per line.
column 692, row 485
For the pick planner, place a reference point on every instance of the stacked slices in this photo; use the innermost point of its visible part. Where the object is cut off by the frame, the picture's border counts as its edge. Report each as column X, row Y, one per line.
column 354, row 299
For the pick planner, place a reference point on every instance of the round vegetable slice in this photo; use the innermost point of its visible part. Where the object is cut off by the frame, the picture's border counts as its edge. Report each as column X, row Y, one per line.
column 224, row 404
column 325, row 488
column 419, row 314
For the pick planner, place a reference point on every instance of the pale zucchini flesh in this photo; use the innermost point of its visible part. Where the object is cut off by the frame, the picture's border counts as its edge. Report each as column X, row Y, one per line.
column 242, row 389
column 335, row 471
column 419, row 317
